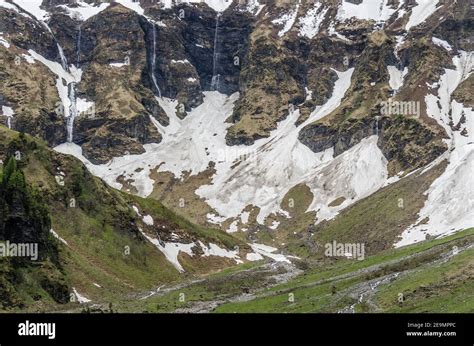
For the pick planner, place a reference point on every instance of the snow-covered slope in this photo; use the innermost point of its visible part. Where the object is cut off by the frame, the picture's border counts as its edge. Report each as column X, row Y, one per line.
column 259, row 175
column 421, row 12
column 378, row 10
column 450, row 203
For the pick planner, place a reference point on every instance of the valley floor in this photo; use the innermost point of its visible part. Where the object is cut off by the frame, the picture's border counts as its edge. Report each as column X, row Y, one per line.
column 433, row 276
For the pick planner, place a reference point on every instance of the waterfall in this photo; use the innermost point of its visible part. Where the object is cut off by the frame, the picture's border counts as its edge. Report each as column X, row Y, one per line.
column 78, row 48
column 71, row 92
column 377, row 125
column 153, row 63
column 215, row 77
column 9, row 122
column 71, row 88
column 63, row 57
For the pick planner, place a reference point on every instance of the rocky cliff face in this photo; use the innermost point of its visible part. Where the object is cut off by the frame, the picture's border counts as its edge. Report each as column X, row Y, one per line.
column 313, row 77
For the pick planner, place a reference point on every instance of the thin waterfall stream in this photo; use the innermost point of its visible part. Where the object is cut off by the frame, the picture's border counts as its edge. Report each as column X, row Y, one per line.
column 153, row 63
column 215, row 58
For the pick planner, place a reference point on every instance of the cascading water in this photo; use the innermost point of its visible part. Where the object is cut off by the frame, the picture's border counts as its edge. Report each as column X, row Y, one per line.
column 71, row 88
column 63, row 57
column 153, row 63
column 215, row 77
column 78, row 45
column 71, row 92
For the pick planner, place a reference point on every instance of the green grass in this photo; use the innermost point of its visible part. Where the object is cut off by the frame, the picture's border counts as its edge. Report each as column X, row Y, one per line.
column 99, row 229
column 311, row 296
column 448, row 287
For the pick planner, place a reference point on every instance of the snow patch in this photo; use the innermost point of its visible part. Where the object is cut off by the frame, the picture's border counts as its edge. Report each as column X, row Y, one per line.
column 172, row 250
column 378, row 10
column 80, row 298
column 58, row 237
column 244, row 217
column 4, row 42
column 396, row 77
column 253, row 6
column 266, row 251
column 83, row 11
column 132, row 5
column 233, row 227
column 287, row 20
column 147, row 219
column 450, row 203
column 216, row 5
column 422, row 11
column 310, row 23
column 8, row 112
column 29, row 59
column 119, row 64
column 215, row 250
column 442, row 44
column 274, row 225
column 34, row 8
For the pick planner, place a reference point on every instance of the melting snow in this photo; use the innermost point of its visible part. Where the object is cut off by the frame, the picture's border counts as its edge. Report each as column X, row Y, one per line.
column 450, row 203
column 355, row 174
column 5, row 4
column 244, row 217
column 215, row 250
column 80, row 298
column 310, row 23
column 33, row 7
column 287, row 20
column 84, row 11
column 136, row 210
column 233, row 227
column 58, row 237
column 253, row 6
column 258, row 175
column 377, row 10
column 215, row 219
column 172, row 250
column 29, row 59
column 74, row 75
column 8, row 112
column 396, row 77
column 421, row 12
column 4, row 42
column 275, row 225
column 252, row 257
column 216, row 5
column 147, row 219
column 119, row 64
column 267, row 251
column 442, row 44
column 133, row 5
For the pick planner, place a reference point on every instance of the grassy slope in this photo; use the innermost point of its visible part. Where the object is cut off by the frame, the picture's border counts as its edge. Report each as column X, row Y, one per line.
column 100, row 227
column 427, row 285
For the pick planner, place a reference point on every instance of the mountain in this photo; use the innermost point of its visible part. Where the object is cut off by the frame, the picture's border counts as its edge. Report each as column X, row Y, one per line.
column 217, row 133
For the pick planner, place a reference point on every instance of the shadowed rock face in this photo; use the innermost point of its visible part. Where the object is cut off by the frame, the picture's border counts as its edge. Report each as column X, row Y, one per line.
column 405, row 142
column 28, row 34
column 177, row 53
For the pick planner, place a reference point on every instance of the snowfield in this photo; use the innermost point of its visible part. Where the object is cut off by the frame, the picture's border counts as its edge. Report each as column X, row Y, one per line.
column 450, row 204
column 377, row 10
column 259, row 175
column 310, row 23
column 287, row 20
column 421, row 12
